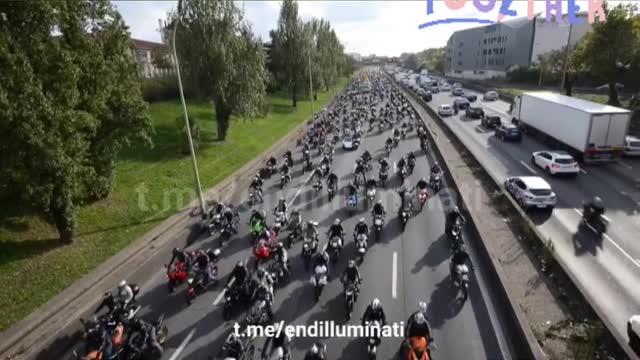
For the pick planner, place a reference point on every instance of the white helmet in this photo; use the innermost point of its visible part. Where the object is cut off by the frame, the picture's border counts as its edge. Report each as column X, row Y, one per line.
column 122, row 284
column 314, row 349
column 420, row 318
column 337, row 222
column 422, row 306
column 375, row 304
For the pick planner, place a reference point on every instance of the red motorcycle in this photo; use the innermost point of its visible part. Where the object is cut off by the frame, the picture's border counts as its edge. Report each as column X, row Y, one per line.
column 422, row 197
column 177, row 274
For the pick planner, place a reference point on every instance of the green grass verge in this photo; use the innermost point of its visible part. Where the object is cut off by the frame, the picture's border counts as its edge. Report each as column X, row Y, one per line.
column 34, row 267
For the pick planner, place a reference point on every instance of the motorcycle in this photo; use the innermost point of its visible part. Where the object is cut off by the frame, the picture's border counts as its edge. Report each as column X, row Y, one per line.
column 381, row 127
column 352, row 203
column 402, row 173
column 412, row 164
column 334, row 249
column 422, row 197
column 325, row 170
column 284, row 180
column 216, row 223
column 435, row 181
column 423, row 146
column 331, row 190
column 371, row 195
column 455, row 235
column 378, row 223
column 294, row 235
column 462, row 280
column 598, row 224
column 277, row 271
column 199, row 282
column 262, row 253
column 417, row 349
column 361, row 246
column 404, row 218
column 258, row 314
column 350, row 297
column 177, row 274
column 403, row 134
column 319, row 280
column 396, row 141
column 148, row 349
column 226, row 234
column 382, row 176
column 388, row 149
column 317, row 185
column 374, row 339
column 272, row 170
column 93, row 332
column 359, row 179
column 308, row 250
column 280, row 219
column 307, row 165
column 256, row 228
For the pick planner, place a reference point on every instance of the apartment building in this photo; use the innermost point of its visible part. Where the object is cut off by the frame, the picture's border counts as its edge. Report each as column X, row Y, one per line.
column 143, row 52
column 490, row 51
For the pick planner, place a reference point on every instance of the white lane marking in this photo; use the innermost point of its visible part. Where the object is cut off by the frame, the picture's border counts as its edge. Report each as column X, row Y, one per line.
column 394, row 279
column 528, row 167
column 583, row 171
column 634, row 261
column 625, row 164
column 395, row 167
column 182, row 346
column 295, row 196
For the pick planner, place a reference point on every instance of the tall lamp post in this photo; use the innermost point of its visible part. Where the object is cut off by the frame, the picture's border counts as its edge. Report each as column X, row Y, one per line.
column 186, row 117
column 313, row 111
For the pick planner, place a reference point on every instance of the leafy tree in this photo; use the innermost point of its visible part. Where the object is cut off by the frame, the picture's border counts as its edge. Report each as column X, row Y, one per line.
column 317, row 55
column 68, row 104
column 432, row 59
column 610, row 46
column 411, row 62
column 223, row 60
column 160, row 57
column 290, row 58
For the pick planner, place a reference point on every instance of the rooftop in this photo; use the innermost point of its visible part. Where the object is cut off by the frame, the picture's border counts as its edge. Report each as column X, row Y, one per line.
column 580, row 104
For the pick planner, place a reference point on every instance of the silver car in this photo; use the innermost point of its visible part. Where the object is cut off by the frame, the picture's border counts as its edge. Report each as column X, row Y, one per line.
column 531, row 192
column 490, row 96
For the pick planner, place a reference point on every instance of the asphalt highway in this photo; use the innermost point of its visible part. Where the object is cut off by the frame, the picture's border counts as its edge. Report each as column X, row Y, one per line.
column 401, row 270
column 608, row 269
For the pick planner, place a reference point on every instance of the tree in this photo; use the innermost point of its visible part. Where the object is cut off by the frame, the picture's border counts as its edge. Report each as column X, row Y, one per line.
column 316, row 54
column 411, row 62
column 288, row 42
column 222, row 59
column 68, row 104
column 160, row 57
column 432, row 59
column 609, row 46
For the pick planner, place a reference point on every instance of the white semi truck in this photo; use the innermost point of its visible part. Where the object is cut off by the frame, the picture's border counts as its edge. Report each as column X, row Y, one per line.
column 591, row 132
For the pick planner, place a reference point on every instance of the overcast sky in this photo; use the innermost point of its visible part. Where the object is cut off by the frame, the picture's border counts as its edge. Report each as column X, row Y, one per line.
column 366, row 27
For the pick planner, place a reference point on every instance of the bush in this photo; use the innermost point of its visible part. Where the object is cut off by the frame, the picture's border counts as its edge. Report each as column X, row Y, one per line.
column 160, row 89
column 183, row 136
column 526, row 75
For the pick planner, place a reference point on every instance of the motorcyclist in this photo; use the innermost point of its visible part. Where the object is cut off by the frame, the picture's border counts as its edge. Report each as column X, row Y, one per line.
column 332, row 180
column 203, row 263
column 233, row 347
column 396, row 133
column 452, row 216
column 148, row 333
column 378, row 209
column 401, row 164
column 422, row 310
column 264, row 289
column 284, row 170
column 231, row 218
column 419, row 327
column 277, row 340
column 359, row 169
column 460, row 257
column 361, row 228
column 406, row 201
column 435, row 169
column 370, row 184
column 316, row 352
column 281, row 207
column 384, row 165
column 352, row 190
column 282, row 256
column 325, row 161
column 289, row 157
column 411, row 158
column 351, row 275
column 239, row 275
column 181, row 256
column 374, row 312
column 321, row 259
column 366, row 156
column 336, row 230
column 272, row 161
column 593, row 209
column 124, row 293
column 389, row 142
column 258, row 215
column 256, row 184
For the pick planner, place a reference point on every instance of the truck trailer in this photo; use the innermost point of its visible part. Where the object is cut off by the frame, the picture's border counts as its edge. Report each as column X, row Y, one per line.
column 589, row 131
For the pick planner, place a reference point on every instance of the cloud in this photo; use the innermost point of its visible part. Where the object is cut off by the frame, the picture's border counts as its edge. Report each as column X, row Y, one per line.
column 367, row 27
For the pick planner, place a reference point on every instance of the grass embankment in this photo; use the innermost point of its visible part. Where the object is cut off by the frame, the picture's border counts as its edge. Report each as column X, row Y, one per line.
column 34, row 266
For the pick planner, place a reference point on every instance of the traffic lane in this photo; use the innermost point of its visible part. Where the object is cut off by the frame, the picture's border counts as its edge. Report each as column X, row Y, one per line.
column 599, row 269
column 572, row 192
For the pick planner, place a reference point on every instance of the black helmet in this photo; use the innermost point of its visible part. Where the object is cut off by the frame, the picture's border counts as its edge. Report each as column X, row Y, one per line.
column 176, row 251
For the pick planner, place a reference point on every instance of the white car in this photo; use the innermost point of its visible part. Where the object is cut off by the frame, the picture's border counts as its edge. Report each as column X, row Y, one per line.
column 457, row 91
column 631, row 146
column 531, row 191
column 555, row 162
column 490, row 96
column 349, row 143
column 445, row 87
column 445, row 110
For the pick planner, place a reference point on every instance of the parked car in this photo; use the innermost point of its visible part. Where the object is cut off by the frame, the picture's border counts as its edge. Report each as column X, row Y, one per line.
column 445, row 110
column 531, row 191
column 461, row 103
column 348, row 143
column 434, row 89
column 508, row 132
column 457, row 85
column 427, row 96
column 490, row 121
column 555, row 162
column 420, row 92
column 474, row 112
column 490, row 96
column 471, row 98
column 445, row 87
column 631, row 146
column 457, row 91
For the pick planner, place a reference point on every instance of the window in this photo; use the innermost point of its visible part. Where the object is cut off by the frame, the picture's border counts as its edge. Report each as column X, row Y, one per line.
column 459, row 53
column 485, row 41
column 484, row 51
column 460, row 63
column 461, row 43
column 141, row 54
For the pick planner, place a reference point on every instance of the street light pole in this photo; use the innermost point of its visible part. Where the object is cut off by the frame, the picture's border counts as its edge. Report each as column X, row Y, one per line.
column 566, row 58
column 186, row 120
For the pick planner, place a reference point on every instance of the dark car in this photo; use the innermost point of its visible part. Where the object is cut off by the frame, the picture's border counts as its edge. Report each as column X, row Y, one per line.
column 508, row 132
column 427, row 96
column 474, row 112
column 471, row 98
column 490, row 121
